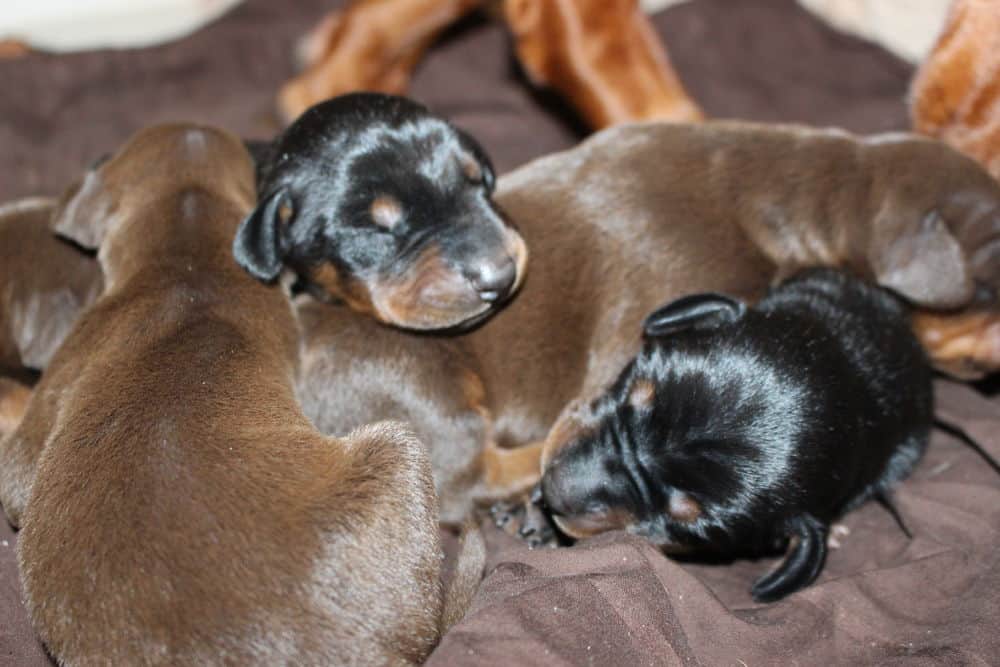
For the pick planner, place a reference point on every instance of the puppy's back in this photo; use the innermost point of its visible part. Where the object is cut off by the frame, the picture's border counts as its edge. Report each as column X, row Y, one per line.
column 867, row 380
column 185, row 512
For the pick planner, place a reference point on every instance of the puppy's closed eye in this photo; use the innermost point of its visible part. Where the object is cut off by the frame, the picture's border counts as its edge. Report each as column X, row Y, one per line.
column 386, row 211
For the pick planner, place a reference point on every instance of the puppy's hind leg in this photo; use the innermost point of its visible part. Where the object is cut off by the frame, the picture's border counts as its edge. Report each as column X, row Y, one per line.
column 14, row 398
column 801, row 566
column 25, row 421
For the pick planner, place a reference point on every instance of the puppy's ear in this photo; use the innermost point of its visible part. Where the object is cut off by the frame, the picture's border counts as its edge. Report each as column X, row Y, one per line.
column 82, row 214
column 927, row 267
column 259, row 246
column 696, row 310
column 801, row 566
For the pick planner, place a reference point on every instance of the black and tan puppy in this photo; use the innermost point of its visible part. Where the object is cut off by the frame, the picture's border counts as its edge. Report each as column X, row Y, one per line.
column 737, row 428
column 175, row 505
column 374, row 201
column 632, row 218
column 44, row 284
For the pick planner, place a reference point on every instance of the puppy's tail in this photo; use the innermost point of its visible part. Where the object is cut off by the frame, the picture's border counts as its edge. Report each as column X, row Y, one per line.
column 465, row 579
column 954, row 430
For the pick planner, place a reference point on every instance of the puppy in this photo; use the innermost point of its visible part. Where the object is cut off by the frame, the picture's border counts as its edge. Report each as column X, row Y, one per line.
column 44, row 283
column 175, row 505
column 737, row 428
column 636, row 216
column 375, row 202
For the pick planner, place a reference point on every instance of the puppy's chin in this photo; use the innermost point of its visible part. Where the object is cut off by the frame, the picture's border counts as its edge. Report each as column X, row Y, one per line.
column 426, row 317
column 430, row 295
column 587, row 525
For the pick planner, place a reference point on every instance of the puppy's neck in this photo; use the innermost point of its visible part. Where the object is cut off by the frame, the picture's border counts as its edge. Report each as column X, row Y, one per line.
column 188, row 230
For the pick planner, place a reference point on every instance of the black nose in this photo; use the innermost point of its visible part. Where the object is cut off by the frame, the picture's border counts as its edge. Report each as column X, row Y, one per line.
column 493, row 279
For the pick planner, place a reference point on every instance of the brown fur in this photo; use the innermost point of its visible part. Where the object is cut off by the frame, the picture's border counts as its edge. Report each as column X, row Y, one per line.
column 635, row 217
column 602, row 55
column 175, row 505
column 956, row 93
column 14, row 398
column 44, row 283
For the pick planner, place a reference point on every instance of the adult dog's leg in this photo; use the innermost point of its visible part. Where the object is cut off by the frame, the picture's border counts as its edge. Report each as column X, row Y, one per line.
column 371, row 45
column 602, row 55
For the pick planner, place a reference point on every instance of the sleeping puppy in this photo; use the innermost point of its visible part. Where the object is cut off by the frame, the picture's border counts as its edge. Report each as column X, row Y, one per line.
column 632, row 218
column 44, row 283
column 736, row 429
column 375, row 202
column 175, row 505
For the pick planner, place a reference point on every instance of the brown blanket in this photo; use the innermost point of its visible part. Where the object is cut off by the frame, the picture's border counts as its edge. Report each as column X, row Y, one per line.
column 614, row 599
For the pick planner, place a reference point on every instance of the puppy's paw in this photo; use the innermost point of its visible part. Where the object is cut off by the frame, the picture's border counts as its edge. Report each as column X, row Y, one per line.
column 525, row 521
column 536, row 528
column 838, row 533
column 964, row 345
column 508, row 516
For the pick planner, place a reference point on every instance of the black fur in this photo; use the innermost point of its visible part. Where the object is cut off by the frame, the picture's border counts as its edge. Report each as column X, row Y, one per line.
column 339, row 157
column 773, row 420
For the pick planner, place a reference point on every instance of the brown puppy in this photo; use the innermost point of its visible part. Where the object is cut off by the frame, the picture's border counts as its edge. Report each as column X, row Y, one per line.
column 44, row 283
column 632, row 218
column 603, row 55
column 175, row 505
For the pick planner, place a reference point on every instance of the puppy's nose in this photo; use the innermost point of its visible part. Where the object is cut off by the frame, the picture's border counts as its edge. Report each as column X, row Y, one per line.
column 493, row 279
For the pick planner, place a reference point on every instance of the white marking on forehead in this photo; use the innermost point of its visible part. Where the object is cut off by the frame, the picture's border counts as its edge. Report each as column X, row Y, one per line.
column 25, row 205
column 195, row 141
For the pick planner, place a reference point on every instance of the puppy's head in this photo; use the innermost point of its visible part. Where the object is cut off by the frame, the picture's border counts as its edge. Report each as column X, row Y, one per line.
column 936, row 234
column 373, row 200
column 677, row 448
column 154, row 163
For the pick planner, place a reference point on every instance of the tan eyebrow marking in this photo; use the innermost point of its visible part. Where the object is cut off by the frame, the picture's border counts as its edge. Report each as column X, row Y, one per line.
column 471, row 169
column 683, row 507
column 386, row 211
column 642, row 393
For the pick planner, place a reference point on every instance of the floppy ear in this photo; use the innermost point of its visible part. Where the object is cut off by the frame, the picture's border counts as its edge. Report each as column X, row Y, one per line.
column 259, row 246
column 927, row 267
column 701, row 310
column 82, row 214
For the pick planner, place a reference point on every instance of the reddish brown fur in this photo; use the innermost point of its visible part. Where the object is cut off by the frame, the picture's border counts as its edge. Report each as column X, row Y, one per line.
column 175, row 505
column 602, row 55
column 956, row 93
column 631, row 219
column 14, row 398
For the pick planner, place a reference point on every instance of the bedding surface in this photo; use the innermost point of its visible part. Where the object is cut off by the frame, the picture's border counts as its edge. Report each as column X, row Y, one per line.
column 611, row 600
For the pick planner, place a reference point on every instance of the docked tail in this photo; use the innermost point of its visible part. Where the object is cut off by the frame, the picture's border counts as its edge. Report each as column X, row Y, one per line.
column 466, row 577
